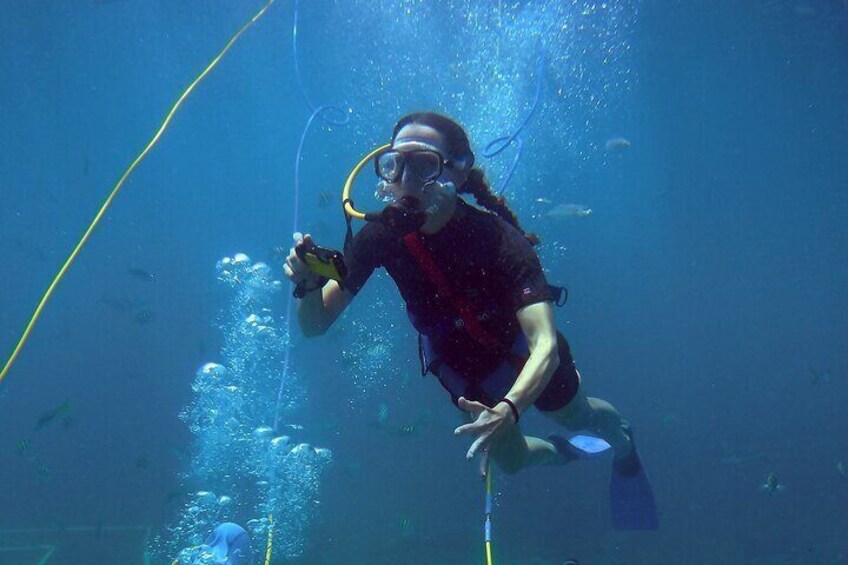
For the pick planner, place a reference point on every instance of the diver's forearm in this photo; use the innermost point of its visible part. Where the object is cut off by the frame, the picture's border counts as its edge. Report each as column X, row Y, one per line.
column 535, row 376
column 310, row 314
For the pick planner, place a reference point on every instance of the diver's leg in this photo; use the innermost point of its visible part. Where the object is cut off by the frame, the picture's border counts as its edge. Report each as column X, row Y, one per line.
column 515, row 451
column 632, row 503
column 597, row 416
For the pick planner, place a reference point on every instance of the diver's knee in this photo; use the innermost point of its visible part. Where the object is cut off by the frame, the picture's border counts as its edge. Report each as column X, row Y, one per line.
column 599, row 404
column 508, row 465
column 509, row 459
column 577, row 414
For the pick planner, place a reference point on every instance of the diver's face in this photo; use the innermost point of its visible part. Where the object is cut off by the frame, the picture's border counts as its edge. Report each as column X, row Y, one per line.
column 415, row 137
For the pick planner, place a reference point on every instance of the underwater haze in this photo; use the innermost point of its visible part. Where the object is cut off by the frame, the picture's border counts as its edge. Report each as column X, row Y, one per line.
column 683, row 164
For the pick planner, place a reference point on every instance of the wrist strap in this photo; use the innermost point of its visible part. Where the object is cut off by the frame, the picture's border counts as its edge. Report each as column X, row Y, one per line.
column 511, row 407
column 302, row 289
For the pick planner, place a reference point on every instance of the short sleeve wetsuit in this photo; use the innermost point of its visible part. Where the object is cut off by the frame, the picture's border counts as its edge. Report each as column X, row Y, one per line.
column 495, row 269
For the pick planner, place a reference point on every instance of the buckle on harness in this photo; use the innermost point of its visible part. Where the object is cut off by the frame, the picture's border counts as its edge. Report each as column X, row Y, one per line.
column 559, row 294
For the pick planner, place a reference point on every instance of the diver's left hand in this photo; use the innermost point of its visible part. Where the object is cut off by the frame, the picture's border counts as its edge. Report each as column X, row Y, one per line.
column 488, row 425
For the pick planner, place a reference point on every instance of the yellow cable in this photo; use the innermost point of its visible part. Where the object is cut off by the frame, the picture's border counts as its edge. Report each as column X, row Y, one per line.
column 118, row 186
column 352, row 177
column 488, row 478
column 270, row 539
column 488, row 501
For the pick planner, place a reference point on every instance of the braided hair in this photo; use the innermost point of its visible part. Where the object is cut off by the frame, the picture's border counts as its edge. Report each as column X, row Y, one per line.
column 456, row 141
column 477, row 186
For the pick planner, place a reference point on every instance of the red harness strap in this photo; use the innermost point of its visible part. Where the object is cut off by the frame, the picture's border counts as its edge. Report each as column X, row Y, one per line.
column 467, row 311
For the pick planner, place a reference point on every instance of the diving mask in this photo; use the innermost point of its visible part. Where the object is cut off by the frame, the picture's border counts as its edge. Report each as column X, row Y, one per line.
column 426, row 164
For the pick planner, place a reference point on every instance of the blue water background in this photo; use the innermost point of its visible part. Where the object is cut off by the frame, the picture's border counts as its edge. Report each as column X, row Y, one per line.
column 708, row 287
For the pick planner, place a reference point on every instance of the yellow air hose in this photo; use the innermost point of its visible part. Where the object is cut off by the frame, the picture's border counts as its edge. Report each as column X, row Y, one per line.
column 348, row 185
column 118, row 186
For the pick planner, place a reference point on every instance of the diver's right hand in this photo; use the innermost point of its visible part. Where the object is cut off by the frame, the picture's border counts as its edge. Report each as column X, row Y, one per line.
column 295, row 269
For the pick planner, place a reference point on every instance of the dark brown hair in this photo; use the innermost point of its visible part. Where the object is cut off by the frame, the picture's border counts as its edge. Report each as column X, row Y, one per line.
column 459, row 147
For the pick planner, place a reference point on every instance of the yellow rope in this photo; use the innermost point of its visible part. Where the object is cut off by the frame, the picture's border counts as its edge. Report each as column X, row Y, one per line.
column 270, row 539
column 118, row 186
column 488, row 509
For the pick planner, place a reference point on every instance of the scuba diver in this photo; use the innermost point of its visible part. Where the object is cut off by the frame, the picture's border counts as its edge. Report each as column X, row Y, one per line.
column 475, row 291
column 228, row 544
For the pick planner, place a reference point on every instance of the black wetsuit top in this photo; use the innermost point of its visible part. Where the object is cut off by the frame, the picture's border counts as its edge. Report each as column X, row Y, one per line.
column 483, row 257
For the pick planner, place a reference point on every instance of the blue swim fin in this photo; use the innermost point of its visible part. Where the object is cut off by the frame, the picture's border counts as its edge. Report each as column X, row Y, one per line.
column 579, row 446
column 632, row 503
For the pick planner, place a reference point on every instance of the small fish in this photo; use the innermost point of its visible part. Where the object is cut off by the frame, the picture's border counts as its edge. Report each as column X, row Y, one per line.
column 353, row 469
column 405, row 527
column 47, row 417
column 295, row 427
column 181, row 453
column 568, row 211
column 143, row 317
column 669, row 420
column 141, row 274
column 820, row 377
column 43, row 473
column 841, row 471
column 615, row 144
column 543, row 201
column 141, row 463
column 22, row 447
column 772, row 484
column 733, row 459
column 325, row 198
column 412, row 428
column 122, row 304
column 174, row 495
column 332, row 426
column 743, row 458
